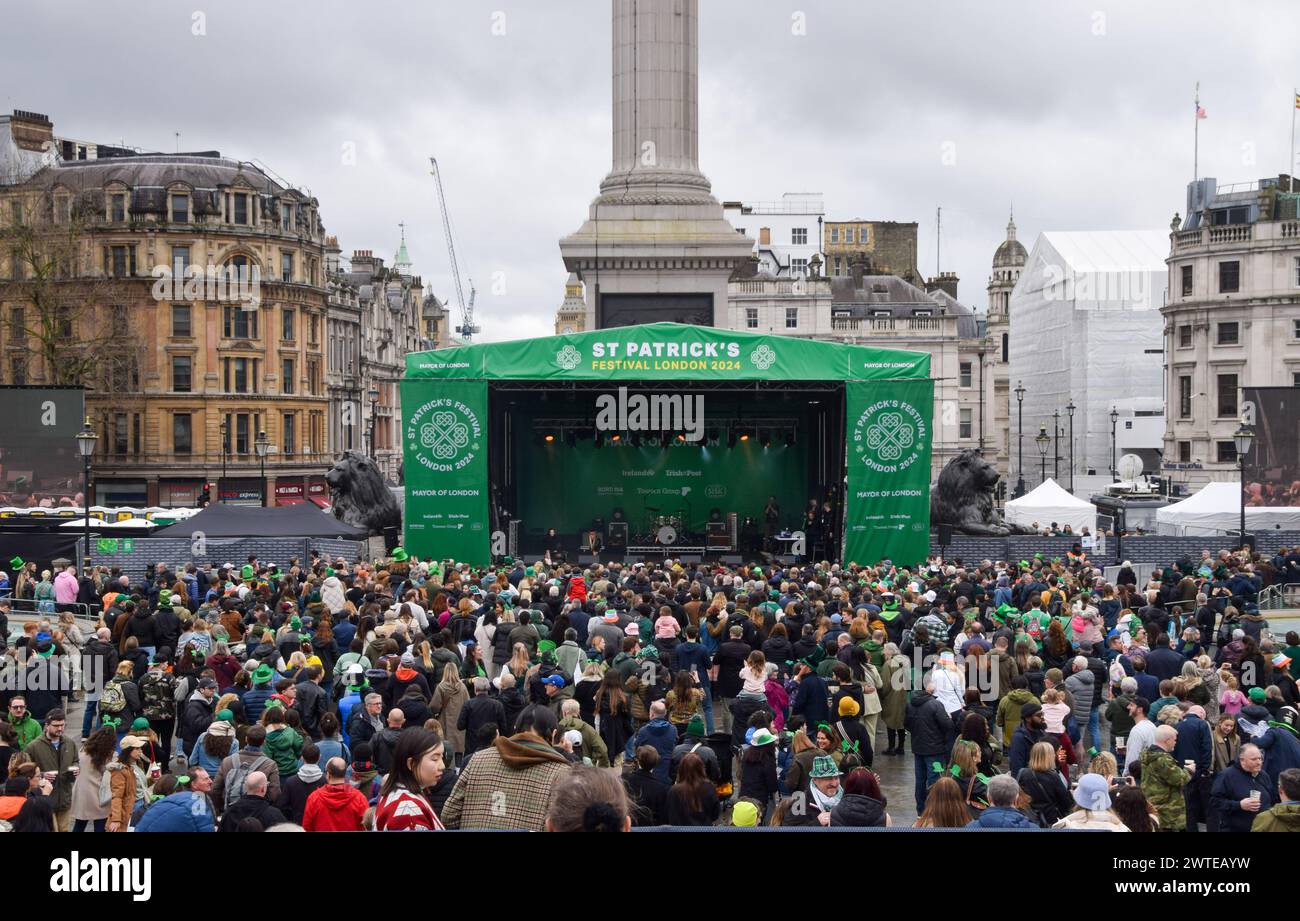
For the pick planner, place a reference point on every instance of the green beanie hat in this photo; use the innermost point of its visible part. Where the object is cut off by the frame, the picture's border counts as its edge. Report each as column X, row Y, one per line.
column 247, row 571
column 226, row 715
column 695, row 728
column 139, row 723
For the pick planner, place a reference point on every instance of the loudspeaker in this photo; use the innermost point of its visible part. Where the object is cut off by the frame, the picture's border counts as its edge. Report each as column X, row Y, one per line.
column 731, row 559
column 945, row 535
column 586, row 559
column 617, row 535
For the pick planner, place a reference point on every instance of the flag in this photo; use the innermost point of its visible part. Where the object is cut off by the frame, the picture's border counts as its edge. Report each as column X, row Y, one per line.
column 1200, row 109
column 1297, row 100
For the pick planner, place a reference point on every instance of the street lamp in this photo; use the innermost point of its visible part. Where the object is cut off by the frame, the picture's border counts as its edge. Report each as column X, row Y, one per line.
column 1020, row 429
column 1042, row 441
column 224, row 430
column 1242, row 439
column 262, row 444
column 374, row 402
column 1114, row 418
column 1056, row 446
column 1069, row 410
column 86, row 439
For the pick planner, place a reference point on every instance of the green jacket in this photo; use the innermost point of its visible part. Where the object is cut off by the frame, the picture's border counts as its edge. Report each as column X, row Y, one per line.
column 284, row 747
column 62, row 760
column 1163, row 780
column 1282, row 817
column 27, row 730
column 1008, row 715
column 875, row 652
column 593, row 746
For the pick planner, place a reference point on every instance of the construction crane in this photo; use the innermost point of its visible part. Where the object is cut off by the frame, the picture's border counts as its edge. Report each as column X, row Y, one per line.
column 467, row 330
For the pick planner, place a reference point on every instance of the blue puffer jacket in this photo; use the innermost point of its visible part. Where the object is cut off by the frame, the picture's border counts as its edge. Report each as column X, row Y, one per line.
column 178, row 812
column 254, row 701
column 660, row 735
column 1002, row 817
column 1281, row 751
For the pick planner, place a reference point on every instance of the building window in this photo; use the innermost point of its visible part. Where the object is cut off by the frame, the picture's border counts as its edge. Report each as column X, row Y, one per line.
column 1227, row 396
column 180, row 208
column 286, row 267
column 287, row 382
column 1295, row 378
column 182, row 433
column 17, row 327
column 798, row 267
column 1006, row 348
column 117, row 204
column 1184, row 452
column 1295, row 329
column 966, row 374
column 286, row 323
column 1229, row 334
column 181, row 373
column 798, row 236
column 312, row 327
column 862, row 235
column 835, row 235
column 1187, row 281
column 965, row 424
column 121, row 433
column 240, row 375
column 181, row 322
column 792, row 318
column 1184, row 397
column 1229, row 277
column 180, row 260
column 1296, row 262
column 241, row 208
column 1184, row 337
column 289, row 435
column 241, row 431
column 839, row 266
column 18, row 370
column 239, row 323
column 751, row 318
column 286, row 215
column 1227, row 452
column 121, row 261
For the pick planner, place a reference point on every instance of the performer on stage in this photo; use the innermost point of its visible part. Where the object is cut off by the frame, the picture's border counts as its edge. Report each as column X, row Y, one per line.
column 771, row 519
column 591, row 543
column 554, row 546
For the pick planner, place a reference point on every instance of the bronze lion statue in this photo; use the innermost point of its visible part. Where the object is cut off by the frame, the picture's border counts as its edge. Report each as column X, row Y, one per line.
column 359, row 495
column 963, row 497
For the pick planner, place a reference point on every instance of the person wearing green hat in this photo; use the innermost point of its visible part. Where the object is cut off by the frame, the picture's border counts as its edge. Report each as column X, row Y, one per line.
column 812, row 807
column 744, row 815
column 399, row 555
column 758, row 780
column 256, row 697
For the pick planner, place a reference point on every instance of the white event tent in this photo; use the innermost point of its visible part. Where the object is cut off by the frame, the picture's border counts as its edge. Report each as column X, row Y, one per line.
column 1049, row 502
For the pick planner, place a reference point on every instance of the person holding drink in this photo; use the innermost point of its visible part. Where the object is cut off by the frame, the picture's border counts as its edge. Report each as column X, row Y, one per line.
column 56, row 759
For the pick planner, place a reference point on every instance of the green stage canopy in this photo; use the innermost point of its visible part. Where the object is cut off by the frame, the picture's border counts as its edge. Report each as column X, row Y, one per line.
column 668, row 351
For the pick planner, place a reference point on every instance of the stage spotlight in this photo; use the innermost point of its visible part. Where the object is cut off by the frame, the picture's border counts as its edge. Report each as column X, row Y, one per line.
column 549, row 438
column 745, row 437
column 615, row 438
column 681, row 437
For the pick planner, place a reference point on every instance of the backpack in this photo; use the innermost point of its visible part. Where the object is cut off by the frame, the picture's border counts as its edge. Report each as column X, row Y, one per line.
column 1055, row 602
column 106, row 787
column 112, row 700
column 157, row 693
column 239, row 774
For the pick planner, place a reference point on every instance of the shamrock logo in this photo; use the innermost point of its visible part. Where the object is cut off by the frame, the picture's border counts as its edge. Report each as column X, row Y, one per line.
column 445, row 435
column 763, row 357
column 568, row 358
column 889, row 436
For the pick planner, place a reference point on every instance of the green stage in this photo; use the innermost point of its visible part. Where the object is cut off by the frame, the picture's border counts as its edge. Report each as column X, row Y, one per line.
column 887, row 397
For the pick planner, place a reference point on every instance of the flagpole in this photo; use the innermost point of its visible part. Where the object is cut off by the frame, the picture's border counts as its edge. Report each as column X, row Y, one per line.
column 1290, row 167
column 1196, row 133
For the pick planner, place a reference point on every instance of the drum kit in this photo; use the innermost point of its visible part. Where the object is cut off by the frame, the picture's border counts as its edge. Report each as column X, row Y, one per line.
column 665, row 530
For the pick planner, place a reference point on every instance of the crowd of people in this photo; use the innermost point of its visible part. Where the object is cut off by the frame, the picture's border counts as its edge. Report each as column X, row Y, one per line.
column 405, row 694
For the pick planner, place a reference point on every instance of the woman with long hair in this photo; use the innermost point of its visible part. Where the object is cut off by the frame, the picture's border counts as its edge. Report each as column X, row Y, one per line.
column 613, row 714
column 863, row 804
column 945, row 806
column 449, row 697
column 1041, row 781
column 1056, row 648
column 96, row 753
column 963, row 767
column 692, row 799
column 417, row 767
column 520, row 661
column 1134, row 810
column 683, row 701
column 127, row 783
column 37, row 814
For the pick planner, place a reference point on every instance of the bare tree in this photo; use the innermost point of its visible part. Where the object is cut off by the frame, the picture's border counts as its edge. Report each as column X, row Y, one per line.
column 64, row 307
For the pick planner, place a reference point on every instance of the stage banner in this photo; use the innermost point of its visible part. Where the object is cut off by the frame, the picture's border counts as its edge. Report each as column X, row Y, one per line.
column 445, row 439
column 668, row 351
column 887, row 503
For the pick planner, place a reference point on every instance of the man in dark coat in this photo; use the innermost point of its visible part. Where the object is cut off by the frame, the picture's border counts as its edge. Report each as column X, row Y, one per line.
column 933, row 734
column 1194, row 745
column 1242, row 790
column 479, row 711
column 252, row 805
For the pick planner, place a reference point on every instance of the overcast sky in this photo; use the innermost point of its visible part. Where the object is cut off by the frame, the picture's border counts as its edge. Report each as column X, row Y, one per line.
column 1081, row 113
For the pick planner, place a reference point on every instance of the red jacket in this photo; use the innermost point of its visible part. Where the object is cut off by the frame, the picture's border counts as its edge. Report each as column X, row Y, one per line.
column 335, row 807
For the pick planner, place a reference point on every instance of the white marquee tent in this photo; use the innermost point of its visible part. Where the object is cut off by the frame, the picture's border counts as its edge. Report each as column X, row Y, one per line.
column 1216, row 509
column 1049, row 502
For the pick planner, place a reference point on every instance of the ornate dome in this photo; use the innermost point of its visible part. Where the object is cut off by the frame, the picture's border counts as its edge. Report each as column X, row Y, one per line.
column 1011, row 254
